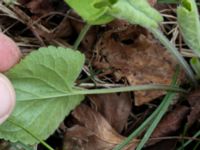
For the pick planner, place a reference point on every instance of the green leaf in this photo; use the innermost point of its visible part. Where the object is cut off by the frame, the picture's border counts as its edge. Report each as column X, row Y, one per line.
column 188, row 20
column 103, row 11
column 42, row 81
column 136, row 12
column 91, row 14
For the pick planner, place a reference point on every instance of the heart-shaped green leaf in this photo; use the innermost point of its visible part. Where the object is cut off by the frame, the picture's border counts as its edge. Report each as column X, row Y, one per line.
column 42, row 81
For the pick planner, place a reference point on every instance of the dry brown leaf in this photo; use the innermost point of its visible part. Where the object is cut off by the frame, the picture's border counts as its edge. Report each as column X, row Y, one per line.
column 133, row 54
column 170, row 123
column 194, row 101
column 114, row 108
column 93, row 132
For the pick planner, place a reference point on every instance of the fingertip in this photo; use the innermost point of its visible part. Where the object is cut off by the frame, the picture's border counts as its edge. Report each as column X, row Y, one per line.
column 7, row 98
column 10, row 53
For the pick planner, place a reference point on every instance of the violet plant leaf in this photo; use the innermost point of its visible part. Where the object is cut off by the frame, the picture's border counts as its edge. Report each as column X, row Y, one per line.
column 42, row 81
column 188, row 20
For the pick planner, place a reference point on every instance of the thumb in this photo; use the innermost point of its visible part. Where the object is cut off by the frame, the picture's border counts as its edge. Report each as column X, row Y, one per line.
column 7, row 98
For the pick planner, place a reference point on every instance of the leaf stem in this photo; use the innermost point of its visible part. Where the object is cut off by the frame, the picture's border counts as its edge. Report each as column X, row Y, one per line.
column 81, row 35
column 30, row 133
column 172, row 49
column 79, row 91
column 130, row 88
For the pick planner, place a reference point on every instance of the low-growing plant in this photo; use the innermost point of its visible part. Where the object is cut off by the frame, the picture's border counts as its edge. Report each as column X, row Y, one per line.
column 45, row 80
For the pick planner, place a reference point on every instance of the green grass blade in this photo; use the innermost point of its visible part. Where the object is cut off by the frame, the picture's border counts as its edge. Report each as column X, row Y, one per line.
column 168, row 99
column 162, row 110
column 149, row 119
column 141, row 128
column 189, row 141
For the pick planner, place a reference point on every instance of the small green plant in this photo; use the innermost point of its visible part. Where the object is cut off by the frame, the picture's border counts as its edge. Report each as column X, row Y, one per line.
column 45, row 80
column 45, row 87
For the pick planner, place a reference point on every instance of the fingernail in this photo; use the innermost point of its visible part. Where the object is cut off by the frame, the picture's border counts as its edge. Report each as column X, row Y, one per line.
column 7, row 98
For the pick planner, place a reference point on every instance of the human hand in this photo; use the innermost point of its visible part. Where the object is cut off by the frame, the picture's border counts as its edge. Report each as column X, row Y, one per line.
column 9, row 56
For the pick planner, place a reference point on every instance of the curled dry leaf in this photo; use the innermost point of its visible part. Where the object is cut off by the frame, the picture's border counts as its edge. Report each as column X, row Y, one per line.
column 114, row 108
column 93, row 132
column 194, row 101
column 133, row 54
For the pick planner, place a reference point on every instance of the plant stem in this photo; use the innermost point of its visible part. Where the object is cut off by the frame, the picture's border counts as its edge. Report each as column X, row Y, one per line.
column 81, row 35
column 30, row 133
column 80, row 91
column 172, row 49
column 129, row 88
